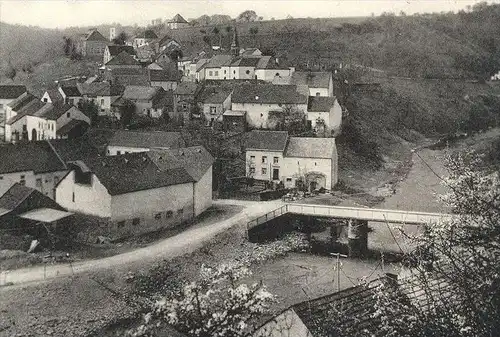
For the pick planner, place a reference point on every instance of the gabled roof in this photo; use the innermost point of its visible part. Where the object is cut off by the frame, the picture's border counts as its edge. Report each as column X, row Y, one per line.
column 94, row 35
column 73, row 149
column 114, row 50
column 147, row 140
column 218, row 61
column 123, row 59
column 250, row 51
column 22, row 100
column 33, row 108
column 320, row 103
column 33, row 156
column 132, row 172
column 137, row 92
column 147, row 34
column 11, row 91
column 268, row 94
column 245, row 62
column 71, row 91
column 186, row 88
column 14, row 196
column 156, row 75
column 57, row 111
column 312, row 79
column 266, row 140
column 214, row 95
column 100, row 89
column 54, row 95
column 196, row 160
column 178, row 19
column 321, row 148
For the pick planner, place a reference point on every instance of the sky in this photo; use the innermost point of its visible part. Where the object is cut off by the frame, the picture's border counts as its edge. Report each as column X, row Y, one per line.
column 66, row 13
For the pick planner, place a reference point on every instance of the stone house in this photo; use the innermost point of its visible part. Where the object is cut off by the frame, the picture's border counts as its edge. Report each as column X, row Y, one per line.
column 92, row 44
column 213, row 101
column 102, row 94
column 114, row 50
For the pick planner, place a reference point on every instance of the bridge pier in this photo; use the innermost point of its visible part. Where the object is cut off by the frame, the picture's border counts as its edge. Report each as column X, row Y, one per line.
column 357, row 237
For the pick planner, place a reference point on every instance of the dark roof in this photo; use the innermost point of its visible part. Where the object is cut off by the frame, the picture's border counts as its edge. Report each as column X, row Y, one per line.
column 186, row 88
column 33, row 108
column 14, row 196
column 218, row 61
column 33, row 156
column 117, row 49
column 320, row 103
column 99, row 138
column 130, row 71
column 94, row 35
column 133, row 172
column 268, row 93
column 178, row 19
column 196, row 159
column 266, row 140
column 214, row 95
column 71, row 125
column 11, row 91
column 246, row 62
column 71, row 91
column 95, row 89
column 156, row 75
column 123, row 59
column 313, row 79
column 164, row 99
column 310, row 147
column 73, row 149
column 54, row 95
column 145, row 139
column 147, row 34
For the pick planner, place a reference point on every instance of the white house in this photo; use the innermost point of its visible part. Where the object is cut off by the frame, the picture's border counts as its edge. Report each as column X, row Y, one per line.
column 214, row 102
column 101, row 93
column 319, row 83
column 327, row 111
column 140, row 192
column 166, row 79
column 294, row 161
column 30, row 120
column 144, row 38
column 260, row 101
column 124, row 141
column 8, row 93
column 177, row 22
column 217, row 68
column 268, row 70
column 71, row 94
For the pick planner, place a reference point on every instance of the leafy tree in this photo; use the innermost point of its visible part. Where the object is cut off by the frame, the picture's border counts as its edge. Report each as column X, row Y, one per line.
column 207, row 40
column 90, row 109
column 127, row 112
column 253, row 31
column 68, row 43
column 247, row 16
column 10, row 72
column 176, row 55
column 121, row 38
column 458, row 270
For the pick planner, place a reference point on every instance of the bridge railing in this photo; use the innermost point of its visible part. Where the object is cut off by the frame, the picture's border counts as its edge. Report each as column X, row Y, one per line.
column 268, row 216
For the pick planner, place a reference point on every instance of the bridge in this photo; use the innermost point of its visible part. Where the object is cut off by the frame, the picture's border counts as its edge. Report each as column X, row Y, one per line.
column 353, row 213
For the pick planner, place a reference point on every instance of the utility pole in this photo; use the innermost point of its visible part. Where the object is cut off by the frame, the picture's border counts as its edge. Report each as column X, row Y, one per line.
column 338, row 255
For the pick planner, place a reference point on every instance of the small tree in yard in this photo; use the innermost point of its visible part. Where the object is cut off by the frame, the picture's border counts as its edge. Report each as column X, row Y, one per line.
column 127, row 112
column 121, row 38
column 90, row 109
column 10, row 72
column 462, row 256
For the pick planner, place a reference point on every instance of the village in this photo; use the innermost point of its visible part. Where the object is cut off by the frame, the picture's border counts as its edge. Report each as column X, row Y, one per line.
column 230, row 190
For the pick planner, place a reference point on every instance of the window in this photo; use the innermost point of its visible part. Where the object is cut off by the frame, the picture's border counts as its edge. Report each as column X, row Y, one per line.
column 277, row 74
column 23, row 180
column 121, row 224
column 118, row 152
column 158, row 216
column 234, row 71
column 210, row 73
column 102, row 101
column 252, row 170
column 318, row 94
column 275, row 160
column 288, row 180
column 252, row 159
column 168, row 214
column 224, row 72
column 264, row 159
column 71, row 101
column 1, row 178
column 213, row 110
column 216, row 73
column 180, row 211
column 45, row 100
column 73, row 197
column 136, row 221
column 38, row 183
column 68, row 114
column 56, row 180
column 247, row 72
column 264, row 170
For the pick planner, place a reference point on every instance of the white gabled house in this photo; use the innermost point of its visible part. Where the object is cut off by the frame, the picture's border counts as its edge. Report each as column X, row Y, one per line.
column 326, row 113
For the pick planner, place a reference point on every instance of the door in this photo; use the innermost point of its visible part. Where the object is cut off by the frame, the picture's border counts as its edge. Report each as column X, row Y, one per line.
column 276, row 174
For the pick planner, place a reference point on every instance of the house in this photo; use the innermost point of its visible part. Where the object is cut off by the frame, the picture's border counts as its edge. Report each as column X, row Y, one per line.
column 70, row 94
column 319, row 83
column 167, row 79
column 33, row 164
column 213, row 102
column 177, row 22
column 144, row 38
column 167, row 42
column 308, row 162
column 184, row 98
column 113, row 50
column 143, row 98
column 102, row 94
column 243, row 68
column 30, row 120
column 146, row 53
column 250, row 52
column 139, row 192
column 24, row 208
column 8, row 93
column 327, row 111
column 197, row 70
column 217, row 68
column 269, row 70
column 124, row 141
column 235, row 121
column 92, row 44
column 70, row 121
column 262, row 101
column 122, row 60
